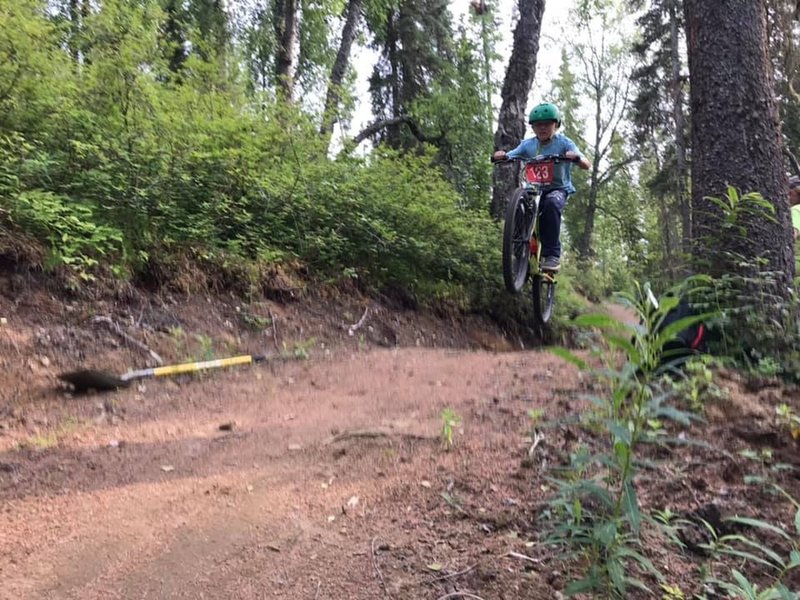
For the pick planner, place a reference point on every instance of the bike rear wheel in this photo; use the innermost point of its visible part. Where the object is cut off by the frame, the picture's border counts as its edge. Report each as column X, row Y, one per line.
column 516, row 241
column 544, row 295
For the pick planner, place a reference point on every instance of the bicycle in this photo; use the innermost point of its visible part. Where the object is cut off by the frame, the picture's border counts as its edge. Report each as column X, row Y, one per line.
column 521, row 235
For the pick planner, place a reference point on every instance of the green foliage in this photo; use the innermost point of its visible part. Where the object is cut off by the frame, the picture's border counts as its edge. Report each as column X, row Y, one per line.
column 789, row 418
column 299, row 349
column 745, row 547
column 758, row 328
column 205, row 346
column 140, row 171
column 596, row 505
column 450, row 420
column 769, row 551
column 316, row 51
column 35, row 74
column 697, row 383
column 671, row 592
column 737, row 209
column 74, row 237
column 453, row 114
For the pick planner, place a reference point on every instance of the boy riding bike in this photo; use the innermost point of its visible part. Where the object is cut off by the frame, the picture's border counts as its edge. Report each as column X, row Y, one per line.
column 546, row 119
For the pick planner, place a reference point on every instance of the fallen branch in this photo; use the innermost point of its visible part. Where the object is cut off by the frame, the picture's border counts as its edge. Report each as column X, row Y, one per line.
column 377, row 569
column 459, row 595
column 452, row 575
column 130, row 339
column 356, row 326
column 371, row 434
column 536, row 561
column 274, row 320
column 537, row 439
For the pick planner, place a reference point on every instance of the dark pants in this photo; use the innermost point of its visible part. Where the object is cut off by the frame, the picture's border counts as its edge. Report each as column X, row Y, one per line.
column 550, row 206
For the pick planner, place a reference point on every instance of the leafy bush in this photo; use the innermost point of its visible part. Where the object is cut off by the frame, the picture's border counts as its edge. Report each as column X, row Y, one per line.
column 73, row 236
column 596, row 508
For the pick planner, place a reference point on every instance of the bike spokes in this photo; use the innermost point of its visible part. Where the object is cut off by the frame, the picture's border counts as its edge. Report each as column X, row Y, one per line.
column 521, row 246
column 516, row 242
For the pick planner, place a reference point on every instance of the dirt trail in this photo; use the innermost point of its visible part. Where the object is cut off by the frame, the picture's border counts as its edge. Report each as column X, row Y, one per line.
column 327, row 478
column 332, row 483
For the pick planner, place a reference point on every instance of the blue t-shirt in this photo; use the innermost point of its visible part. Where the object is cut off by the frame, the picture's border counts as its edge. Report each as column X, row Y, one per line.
column 558, row 144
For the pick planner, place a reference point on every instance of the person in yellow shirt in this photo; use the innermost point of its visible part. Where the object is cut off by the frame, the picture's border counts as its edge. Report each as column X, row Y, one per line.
column 794, row 203
column 794, row 211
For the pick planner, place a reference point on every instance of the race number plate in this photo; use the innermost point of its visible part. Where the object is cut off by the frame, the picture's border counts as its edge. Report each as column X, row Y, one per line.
column 539, row 172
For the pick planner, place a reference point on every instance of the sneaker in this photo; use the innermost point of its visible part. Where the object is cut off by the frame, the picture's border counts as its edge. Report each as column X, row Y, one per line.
column 551, row 263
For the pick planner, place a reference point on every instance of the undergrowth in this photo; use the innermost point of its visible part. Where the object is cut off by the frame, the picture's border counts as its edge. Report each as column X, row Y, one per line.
column 595, row 515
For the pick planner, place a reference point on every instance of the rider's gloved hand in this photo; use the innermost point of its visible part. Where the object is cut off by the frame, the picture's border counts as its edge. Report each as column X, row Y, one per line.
column 499, row 156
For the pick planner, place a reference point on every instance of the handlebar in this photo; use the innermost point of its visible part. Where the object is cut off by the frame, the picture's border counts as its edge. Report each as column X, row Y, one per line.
column 557, row 158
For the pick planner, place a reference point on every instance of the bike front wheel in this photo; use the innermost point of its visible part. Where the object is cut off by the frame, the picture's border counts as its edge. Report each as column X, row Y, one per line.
column 544, row 295
column 516, row 242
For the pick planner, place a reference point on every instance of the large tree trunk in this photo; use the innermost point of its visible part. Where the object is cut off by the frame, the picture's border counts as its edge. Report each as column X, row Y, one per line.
column 736, row 140
column 174, row 36
column 75, row 29
column 349, row 31
column 485, row 12
column 286, row 37
column 681, row 174
column 77, row 12
column 393, row 42
column 519, row 77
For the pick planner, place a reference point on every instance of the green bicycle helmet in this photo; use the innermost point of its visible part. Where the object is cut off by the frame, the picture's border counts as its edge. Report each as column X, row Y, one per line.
column 545, row 112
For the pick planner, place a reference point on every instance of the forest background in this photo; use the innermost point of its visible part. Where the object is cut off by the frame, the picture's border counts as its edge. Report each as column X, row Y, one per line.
column 202, row 143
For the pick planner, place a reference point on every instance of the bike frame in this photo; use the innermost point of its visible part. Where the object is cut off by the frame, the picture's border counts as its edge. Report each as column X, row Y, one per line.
column 533, row 193
column 522, row 249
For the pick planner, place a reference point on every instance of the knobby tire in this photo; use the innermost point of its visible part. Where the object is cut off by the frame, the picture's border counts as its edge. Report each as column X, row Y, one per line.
column 544, row 293
column 516, row 242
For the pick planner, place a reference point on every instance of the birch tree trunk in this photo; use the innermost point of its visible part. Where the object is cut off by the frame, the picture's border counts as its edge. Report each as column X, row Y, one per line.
column 332, row 98
column 286, row 37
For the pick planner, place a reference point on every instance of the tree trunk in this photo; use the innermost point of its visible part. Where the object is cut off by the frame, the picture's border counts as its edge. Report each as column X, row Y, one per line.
column 736, row 141
column 286, row 37
column 78, row 12
column 349, row 31
column 393, row 131
column 583, row 245
column 518, row 80
column 486, row 13
column 666, row 234
column 679, row 122
column 174, row 37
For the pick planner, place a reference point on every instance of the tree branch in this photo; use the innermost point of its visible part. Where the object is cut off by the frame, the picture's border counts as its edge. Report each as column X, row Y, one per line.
column 613, row 169
column 624, row 224
column 412, row 125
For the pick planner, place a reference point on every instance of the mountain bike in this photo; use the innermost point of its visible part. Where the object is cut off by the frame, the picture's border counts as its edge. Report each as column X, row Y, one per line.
column 521, row 235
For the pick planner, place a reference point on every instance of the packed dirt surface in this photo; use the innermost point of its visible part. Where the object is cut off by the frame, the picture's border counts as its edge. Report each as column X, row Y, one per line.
column 378, row 453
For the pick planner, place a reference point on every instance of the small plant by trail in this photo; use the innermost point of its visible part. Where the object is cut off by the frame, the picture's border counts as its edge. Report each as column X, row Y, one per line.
column 790, row 419
column 774, row 563
column 596, row 508
column 595, row 512
column 450, row 420
column 696, row 383
column 300, row 350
